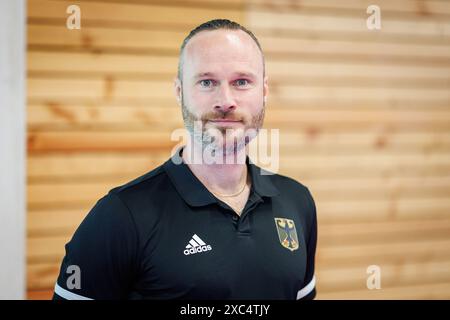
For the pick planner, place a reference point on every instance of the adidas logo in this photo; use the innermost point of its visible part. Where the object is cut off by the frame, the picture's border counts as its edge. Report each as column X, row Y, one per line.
column 196, row 245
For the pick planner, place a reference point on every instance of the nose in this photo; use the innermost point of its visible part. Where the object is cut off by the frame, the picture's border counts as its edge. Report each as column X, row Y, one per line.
column 225, row 101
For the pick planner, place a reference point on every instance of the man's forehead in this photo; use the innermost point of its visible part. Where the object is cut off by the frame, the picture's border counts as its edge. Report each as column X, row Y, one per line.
column 219, row 38
column 221, row 46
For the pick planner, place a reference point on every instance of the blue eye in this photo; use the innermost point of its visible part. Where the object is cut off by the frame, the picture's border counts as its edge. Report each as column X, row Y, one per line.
column 206, row 83
column 242, row 82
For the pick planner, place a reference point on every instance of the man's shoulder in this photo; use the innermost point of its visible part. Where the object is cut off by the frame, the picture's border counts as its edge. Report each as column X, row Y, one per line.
column 140, row 198
column 296, row 193
column 144, row 181
column 290, row 189
column 147, row 187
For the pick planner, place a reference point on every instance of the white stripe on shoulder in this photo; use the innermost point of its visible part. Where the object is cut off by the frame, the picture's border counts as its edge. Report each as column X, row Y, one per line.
column 307, row 289
column 66, row 294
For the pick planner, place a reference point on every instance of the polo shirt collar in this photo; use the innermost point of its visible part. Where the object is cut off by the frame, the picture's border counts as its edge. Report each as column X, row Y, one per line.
column 196, row 194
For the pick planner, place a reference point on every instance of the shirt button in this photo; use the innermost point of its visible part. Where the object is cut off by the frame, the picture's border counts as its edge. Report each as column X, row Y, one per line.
column 235, row 218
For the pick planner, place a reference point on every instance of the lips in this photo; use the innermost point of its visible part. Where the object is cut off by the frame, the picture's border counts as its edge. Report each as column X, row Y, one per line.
column 225, row 120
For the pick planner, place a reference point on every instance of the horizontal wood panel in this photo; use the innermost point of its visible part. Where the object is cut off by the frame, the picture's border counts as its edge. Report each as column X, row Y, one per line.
column 42, row 276
column 342, row 50
column 383, row 232
column 287, row 19
column 378, row 253
column 381, row 210
column 130, row 13
column 410, row 292
column 44, row 294
column 374, row 68
column 102, row 38
column 85, row 141
column 47, row 249
column 421, row 8
column 94, row 89
column 91, row 165
column 54, row 222
column 331, row 279
column 104, row 62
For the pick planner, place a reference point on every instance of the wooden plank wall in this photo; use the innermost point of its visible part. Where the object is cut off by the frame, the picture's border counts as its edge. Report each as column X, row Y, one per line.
column 364, row 119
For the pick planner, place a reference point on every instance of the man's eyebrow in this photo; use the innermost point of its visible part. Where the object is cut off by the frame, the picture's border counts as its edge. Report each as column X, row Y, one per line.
column 203, row 74
column 246, row 74
column 239, row 74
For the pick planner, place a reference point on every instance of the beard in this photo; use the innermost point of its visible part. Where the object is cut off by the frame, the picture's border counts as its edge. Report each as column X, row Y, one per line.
column 220, row 140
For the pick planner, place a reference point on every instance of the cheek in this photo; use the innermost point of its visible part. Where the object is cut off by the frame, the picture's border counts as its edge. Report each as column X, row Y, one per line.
column 252, row 101
column 197, row 100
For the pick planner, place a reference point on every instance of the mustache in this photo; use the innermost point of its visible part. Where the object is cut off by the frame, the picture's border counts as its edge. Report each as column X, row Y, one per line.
column 224, row 115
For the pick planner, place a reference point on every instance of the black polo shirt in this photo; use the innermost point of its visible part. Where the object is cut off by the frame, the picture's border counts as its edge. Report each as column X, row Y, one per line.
column 165, row 236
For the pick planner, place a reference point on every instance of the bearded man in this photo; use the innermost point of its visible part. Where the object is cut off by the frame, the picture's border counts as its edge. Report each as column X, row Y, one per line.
column 208, row 223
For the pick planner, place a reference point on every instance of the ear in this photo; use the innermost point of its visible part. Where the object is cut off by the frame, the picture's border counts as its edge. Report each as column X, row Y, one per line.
column 177, row 86
column 266, row 88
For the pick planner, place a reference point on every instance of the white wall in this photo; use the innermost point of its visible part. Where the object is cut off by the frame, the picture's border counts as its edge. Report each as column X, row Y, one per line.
column 12, row 149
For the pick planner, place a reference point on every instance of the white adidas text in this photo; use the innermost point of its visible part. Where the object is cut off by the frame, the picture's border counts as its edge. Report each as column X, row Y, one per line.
column 196, row 245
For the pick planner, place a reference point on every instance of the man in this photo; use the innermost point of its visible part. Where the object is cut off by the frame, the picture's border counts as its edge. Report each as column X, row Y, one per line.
column 208, row 229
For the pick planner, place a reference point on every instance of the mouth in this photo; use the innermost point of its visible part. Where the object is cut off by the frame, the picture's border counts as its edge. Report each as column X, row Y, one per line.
column 224, row 121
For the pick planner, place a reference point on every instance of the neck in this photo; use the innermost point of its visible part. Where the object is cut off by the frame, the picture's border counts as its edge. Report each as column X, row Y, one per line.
column 226, row 178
